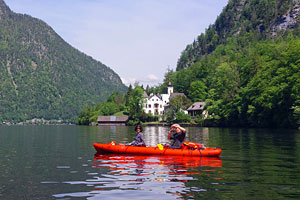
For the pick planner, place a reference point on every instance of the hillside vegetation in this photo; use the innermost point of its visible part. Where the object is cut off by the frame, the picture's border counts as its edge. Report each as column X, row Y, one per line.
column 42, row 76
column 246, row 66
column 263, row 17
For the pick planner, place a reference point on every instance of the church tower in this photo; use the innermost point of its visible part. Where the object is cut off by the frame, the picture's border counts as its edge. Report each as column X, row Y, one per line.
column 170, row 88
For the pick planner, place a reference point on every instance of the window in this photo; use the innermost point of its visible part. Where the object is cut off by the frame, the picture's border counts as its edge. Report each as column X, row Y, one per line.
column 149, row 105
column 160, row 106
column 149, row 111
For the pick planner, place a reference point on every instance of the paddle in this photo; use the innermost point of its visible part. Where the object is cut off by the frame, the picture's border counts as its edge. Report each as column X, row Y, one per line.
column 160, row 146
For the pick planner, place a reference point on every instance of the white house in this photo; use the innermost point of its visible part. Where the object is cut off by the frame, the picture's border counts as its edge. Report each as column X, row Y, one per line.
column 155, row 103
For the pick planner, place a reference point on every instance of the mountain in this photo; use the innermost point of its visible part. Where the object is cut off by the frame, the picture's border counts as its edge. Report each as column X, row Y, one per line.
column 246, row 66
column 265, row 18
column 42, row 76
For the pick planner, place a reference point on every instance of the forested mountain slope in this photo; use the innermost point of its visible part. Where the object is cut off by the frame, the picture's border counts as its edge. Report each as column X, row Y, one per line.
column 265, row 18
column 42, row 76
column 246, row 66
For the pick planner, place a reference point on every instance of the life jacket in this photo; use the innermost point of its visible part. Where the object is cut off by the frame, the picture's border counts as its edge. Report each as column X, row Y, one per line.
column 192, row 145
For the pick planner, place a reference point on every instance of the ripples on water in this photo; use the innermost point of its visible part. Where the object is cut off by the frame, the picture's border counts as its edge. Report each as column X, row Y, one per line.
column 145, row 177
column 57, row 162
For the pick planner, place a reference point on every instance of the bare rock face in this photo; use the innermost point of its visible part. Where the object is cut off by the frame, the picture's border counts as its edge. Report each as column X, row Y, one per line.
column 4, row 9
column 289, row 20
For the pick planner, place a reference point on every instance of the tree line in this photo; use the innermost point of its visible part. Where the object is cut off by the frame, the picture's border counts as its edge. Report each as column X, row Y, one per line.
column 131, row 104
column 246, row 77
column 247, row 82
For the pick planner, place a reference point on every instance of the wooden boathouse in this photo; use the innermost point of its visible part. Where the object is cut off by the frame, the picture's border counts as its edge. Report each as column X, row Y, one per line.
column 112, row 120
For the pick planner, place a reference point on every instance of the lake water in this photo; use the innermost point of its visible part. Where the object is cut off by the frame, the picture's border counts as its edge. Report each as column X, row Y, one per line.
column 58, row 162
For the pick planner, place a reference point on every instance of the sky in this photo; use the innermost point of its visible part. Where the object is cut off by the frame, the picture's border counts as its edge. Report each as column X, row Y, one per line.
column 138, row 39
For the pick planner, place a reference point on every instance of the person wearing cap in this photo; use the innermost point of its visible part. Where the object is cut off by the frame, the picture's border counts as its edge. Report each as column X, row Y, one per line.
column 177, row 134
column 139, row 138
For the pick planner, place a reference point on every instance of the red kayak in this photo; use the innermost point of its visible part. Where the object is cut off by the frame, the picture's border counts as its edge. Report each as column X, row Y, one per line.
column 161, row 150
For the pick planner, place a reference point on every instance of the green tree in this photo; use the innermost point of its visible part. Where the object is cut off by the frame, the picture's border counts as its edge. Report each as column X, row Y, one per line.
column 84, row 116
column 135, row 104
column 297, row 114
column 109, row 108
column 181, row 117
column 176, row 105
column 128, row 95
column 118, row 99
column 197, row 91
column 226, row 81
column 179, row 102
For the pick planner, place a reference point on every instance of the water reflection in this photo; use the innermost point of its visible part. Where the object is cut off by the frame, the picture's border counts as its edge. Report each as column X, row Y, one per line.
column 57, row 162
column 160, row 177
column 174, row 165
column 112, row 132
column 156, row 135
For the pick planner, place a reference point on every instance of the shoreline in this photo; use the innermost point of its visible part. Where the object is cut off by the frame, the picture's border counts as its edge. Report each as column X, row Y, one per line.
column 166, row 124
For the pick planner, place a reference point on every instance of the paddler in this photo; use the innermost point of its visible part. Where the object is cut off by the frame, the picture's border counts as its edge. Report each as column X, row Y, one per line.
column 177, row 134
column 139, row 138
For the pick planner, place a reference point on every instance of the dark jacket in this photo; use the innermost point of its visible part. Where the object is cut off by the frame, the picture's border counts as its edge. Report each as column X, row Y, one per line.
column 138, row 140
column 178, row 139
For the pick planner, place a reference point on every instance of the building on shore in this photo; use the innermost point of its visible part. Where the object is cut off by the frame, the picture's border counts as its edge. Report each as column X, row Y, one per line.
column 197, row 108
column 156, row 104
column 112, row 120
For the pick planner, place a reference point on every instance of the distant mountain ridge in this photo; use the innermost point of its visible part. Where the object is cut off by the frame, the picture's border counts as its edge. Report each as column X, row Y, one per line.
column 264, row 18
column 42, row 76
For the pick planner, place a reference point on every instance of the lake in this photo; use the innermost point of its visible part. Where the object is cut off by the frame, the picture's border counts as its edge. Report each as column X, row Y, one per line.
column 58, row 162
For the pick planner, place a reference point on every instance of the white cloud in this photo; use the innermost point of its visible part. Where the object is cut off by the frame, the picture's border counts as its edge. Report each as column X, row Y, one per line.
column 149, row 79
column 152, row 77
column 128, row 81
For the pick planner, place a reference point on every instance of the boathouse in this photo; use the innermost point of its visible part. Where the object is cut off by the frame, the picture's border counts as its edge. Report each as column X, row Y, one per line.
column 112, row 120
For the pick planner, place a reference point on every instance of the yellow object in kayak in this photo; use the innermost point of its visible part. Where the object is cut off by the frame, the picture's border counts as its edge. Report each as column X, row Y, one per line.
column 161, row 147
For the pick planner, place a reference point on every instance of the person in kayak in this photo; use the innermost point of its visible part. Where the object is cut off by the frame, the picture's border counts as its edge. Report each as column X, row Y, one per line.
column 177, row 134
column 139, row 138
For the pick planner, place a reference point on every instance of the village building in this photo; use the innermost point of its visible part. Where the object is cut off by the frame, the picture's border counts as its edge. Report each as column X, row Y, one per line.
column 112, row 120
column 196, row 109
column 156, row 104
